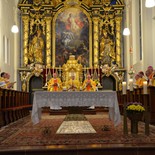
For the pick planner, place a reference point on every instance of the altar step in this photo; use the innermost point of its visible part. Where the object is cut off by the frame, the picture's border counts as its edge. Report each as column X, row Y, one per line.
column 58, row 112
column 65, row 112
column 78, row 110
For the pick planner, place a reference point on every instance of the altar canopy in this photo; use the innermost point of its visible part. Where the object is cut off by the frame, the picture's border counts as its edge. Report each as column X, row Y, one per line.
column 76, row 99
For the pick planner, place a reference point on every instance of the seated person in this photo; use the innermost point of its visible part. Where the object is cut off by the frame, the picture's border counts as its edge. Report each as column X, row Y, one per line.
column 150, row 73
column 5, row 81
column 54, row 83
column 73, row 84
column 2, row 83
column 140, row 79
column 89, row 84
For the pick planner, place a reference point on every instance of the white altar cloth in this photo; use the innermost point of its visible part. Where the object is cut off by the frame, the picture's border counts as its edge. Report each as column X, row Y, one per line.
column 78, row 99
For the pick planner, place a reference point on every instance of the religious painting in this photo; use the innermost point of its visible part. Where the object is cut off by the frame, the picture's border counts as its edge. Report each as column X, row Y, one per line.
column 72, row 37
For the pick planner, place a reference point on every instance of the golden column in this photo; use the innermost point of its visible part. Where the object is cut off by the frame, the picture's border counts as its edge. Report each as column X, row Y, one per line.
column 25, row 39
column 96, row 41
column 48, row 41
column 118, row 20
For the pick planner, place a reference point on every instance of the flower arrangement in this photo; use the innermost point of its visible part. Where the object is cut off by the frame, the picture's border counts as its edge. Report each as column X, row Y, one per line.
column 131, row 72
column 135, row 107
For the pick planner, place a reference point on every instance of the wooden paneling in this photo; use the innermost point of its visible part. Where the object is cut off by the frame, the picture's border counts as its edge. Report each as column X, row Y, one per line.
column 13, row 105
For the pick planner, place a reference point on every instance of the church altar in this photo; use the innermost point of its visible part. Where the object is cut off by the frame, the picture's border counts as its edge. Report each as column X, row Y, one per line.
column 76, row 99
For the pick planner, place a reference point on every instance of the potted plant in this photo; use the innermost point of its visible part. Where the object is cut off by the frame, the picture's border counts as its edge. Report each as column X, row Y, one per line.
column 135, row 112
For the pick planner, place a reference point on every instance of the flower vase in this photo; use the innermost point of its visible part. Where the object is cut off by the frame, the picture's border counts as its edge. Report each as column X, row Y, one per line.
column 134, row 117
column 134, row 126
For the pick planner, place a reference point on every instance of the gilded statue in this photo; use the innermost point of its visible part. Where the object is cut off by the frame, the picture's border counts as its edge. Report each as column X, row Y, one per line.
column 107, row 54
column 36, row 48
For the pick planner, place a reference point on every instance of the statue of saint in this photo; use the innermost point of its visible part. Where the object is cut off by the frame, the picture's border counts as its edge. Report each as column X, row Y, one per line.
column 36, row 48
column 107, row 54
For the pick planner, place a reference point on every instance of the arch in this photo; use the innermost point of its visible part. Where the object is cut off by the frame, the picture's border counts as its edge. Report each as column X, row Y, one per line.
column 110, row 82
column 35, row 83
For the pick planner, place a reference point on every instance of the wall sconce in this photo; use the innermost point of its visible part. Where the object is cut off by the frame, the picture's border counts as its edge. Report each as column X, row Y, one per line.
column 14, row 29
column 149, row 3
column 126, row 31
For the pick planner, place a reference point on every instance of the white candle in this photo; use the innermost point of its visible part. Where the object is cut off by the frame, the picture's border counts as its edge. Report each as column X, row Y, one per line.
column 46, row 71
column 98, row 70
column 124, row 87
column 53, row 69
column 145, row 87
column 84, row 69
column 92, row 70
column 131, row 84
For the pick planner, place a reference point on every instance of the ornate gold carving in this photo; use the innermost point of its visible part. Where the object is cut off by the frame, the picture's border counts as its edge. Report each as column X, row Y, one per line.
column 36, row 47
column 118, row 40
column 70, row 68
column 87, row 2
column 36, row 22
column 42, row 14
column 48, row 41
column 96, row 39
column 107, row 54
column 25, row 40
column 37, row 2
column 24, row 76
column 56, row 2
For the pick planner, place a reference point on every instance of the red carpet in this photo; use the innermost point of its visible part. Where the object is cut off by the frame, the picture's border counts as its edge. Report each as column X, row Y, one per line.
column 24, row 133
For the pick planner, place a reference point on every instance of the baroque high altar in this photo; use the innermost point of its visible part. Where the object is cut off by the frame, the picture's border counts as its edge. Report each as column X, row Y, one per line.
column 54, row 30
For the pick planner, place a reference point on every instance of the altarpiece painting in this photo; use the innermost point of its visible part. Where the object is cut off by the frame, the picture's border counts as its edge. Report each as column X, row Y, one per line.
column 72, row 36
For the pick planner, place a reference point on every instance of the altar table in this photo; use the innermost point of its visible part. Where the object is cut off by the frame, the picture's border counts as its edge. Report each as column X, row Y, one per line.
column 76, row 99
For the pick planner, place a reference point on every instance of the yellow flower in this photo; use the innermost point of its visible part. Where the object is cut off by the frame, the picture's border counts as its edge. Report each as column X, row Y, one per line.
column 137, row 107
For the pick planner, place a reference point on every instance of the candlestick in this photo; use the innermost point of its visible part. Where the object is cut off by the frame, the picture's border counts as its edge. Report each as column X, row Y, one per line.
column 131, row 84
column 124, row 87
column 145, row 87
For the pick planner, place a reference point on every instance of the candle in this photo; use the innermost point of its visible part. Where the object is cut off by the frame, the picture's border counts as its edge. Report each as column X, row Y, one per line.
column 92, row 71
column 46, row 71
column 53, row 69
column 84, row 69
column 59, row 70
column 131, row 84
column 124, row 87
column 98, row 70
column 145, row 87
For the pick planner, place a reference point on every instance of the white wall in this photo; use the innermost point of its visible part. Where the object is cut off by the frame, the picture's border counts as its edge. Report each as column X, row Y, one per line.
column 148, row 36
column 7, row 19
column 148, row 42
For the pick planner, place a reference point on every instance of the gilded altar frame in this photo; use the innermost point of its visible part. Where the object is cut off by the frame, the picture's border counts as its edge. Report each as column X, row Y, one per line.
column 102, row 15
